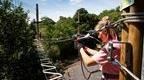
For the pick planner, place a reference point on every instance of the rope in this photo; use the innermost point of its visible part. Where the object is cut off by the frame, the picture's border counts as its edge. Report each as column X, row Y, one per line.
column 86, row 78
column 131, row 17
column 133, row 14
column 128, row 71
column 47, row 69
column 59, row 40
column 84, row 67
column 121, row 66
column 90, row 72
column 127, row 19
column 47, row 65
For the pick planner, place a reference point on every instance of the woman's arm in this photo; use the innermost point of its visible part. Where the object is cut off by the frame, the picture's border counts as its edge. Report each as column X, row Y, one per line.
column 88, row 60
column 91, row 51
column 99, row 57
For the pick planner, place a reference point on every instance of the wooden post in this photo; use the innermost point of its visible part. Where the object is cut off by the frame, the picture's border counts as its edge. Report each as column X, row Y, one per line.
column 135, row 38
column 37, row 20
column 78, row 22
column 124, row 38
column 142, row 71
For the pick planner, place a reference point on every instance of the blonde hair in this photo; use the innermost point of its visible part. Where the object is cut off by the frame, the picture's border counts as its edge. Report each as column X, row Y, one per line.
column 105, row 18
column 102, row 23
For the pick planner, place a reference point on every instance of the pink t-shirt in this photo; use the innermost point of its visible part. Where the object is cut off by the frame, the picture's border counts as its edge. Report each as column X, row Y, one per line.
column 101, row 58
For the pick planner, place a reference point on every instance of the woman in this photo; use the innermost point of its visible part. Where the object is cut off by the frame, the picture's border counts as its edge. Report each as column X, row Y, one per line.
column 107, row 35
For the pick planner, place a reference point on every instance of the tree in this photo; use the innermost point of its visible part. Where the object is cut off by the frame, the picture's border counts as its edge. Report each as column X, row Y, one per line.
column 114, row 14
column 65, row 27
column 47, row 21
column 86, row 21
column 19, row 59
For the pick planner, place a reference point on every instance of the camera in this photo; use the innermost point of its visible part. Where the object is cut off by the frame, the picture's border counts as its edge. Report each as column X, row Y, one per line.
column 89, row 40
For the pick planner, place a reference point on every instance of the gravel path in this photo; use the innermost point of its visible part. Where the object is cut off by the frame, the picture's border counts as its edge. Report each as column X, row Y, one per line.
column 74, row 72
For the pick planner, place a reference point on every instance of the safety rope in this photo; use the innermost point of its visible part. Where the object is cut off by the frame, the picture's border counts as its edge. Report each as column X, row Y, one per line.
column 90, row 72
column 59, row 40
column 137, row 18
column 127, row 70
column 48, row 67
column 133, row 14
column 79, row 45
column 131, row 17
column 113, row 60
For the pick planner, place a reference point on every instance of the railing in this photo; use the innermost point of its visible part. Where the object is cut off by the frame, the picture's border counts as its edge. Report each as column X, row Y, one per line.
column 49, row 69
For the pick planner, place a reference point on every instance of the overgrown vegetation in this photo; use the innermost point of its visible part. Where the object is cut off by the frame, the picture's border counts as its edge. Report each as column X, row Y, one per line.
column 18, row 57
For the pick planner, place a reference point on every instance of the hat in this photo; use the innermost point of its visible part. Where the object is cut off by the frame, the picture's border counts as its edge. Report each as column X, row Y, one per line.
column 102, row 23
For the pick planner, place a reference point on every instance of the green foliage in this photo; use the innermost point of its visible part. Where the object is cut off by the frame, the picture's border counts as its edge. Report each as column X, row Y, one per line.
column 62, row 29
column 86, row 21
column 47, row 21
column 18, row 55
column 46, row 27
column 80, row 15
column 114, row 14
column 65, row 27
column 54, row 52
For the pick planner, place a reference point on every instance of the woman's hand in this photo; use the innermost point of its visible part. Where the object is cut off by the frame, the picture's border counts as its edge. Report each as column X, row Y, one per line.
column 86, row 58
column 100, row 57
column 91, row 51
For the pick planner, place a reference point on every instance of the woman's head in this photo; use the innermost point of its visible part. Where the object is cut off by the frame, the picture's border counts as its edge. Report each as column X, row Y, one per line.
column 106, row 32
column 102, row 23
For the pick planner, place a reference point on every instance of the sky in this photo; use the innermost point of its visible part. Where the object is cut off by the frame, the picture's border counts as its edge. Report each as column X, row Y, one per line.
column 67, row 8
